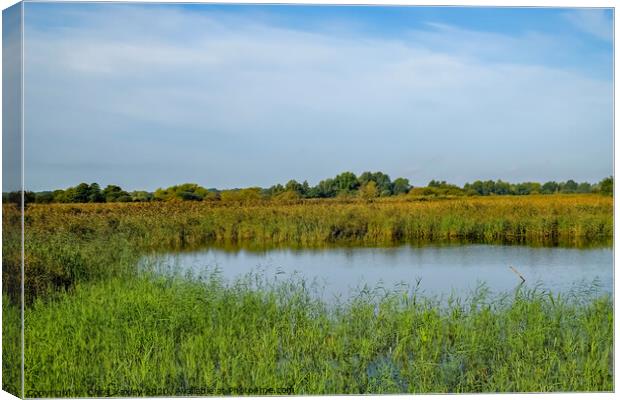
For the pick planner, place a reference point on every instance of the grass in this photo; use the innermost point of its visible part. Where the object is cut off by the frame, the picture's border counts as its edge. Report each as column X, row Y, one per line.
column 94, row 322
column 166, row 336
column 535, row 220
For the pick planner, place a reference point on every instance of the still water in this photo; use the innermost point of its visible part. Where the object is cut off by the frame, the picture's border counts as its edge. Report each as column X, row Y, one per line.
column 339, row 273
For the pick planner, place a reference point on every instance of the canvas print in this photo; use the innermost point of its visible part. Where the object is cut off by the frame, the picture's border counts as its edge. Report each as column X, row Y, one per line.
column 231, row 199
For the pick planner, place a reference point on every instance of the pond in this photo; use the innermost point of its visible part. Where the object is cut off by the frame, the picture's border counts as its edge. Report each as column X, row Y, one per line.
column 438, row 271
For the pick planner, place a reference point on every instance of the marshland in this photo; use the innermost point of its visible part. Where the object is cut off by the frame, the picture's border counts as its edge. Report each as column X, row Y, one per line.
column 98, row 319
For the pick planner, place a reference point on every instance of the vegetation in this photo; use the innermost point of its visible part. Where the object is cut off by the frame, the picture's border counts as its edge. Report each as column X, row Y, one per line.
column 167, row 336
column 368, row 185
column 94, row 321
column 69, row 243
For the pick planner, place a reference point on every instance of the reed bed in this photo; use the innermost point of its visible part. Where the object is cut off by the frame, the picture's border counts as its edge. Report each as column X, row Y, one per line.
column 94, row 322
column 167, row 336
column 544, row 220
column 69, row 243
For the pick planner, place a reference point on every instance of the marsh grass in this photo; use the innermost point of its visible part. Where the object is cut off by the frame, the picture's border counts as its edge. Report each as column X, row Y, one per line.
column 168, row 334
column 67, row 243
column 94, row 321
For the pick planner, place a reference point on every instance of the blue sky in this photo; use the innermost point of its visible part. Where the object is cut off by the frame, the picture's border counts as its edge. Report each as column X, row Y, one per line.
column 11, row 89
column 147, row 96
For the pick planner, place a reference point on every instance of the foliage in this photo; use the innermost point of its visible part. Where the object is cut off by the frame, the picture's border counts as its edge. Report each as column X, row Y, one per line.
column 369, row 190
column 114, row 193
column 346, row 184
column 607, row 186
column 249, row 195
column 70, row 243
column 169, row 335
column 93, row 320
column 186, row 191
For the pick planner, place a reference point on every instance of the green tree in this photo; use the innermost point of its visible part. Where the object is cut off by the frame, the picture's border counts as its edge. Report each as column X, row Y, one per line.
column 502, row 188
column 584, row 187
column 570, row 186
column 114, row 193
column 606, row 186
column 274, row 190
column 384, row 184
column 94, row 194
column 81, row 193
column 248, row 195
column 326, row 188
column 59, row 196
column 346, row 182
column 550, row 187
column 44, row 197
column 369, row 190
column 296, row 187
column 186, row 191
column 401, row 186
column 141, row 196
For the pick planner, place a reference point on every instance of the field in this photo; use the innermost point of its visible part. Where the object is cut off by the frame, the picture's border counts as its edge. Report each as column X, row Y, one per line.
column 94, row 323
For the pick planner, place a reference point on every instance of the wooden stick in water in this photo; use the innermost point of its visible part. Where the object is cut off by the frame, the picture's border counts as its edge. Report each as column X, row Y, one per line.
column 517, row 272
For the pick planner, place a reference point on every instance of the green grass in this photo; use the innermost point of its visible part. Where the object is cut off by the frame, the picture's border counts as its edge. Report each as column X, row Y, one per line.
column 73, row 243
column 94, row 322
column 11, row 347
column 167, row 335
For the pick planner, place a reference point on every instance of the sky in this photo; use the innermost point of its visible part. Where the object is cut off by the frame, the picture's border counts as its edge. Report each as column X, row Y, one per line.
column 11, row 89
column 152, row 95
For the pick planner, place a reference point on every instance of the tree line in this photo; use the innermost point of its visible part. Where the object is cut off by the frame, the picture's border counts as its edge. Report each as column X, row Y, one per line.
column 368, row 185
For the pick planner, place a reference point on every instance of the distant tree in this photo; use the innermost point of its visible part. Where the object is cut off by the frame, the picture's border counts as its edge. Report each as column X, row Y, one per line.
column 535, row 187
column 488, row 187
column 434, row 183
column 384, row 184
column 305, row 188
column 550, row 187
column 15, row 198
column 141, row 196
column 346, row 182
column 570, row 186
column 29, row 197
column 274, row 190
column 69, row 195
column 193, row 196
column 114, row 193
column 59, row 196
column 294, row 186
column 80, row 194
column 326, row 188
column 248, row 195
column 502, row 188
column 44, row 197
column 522, row 189
column 186, row 191
column 94, row 194
column 584, row 187
column 476, row 187
column 369, row 190
column 400, row 186
column 606, row 186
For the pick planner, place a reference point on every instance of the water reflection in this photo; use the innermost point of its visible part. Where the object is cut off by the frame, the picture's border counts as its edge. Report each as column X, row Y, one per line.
column 435, row 270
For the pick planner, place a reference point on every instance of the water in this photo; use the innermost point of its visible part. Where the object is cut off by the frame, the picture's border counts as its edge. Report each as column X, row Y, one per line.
column 437, row 271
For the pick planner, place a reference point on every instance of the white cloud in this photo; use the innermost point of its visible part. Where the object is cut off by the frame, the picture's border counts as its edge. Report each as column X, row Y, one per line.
column 244, row 99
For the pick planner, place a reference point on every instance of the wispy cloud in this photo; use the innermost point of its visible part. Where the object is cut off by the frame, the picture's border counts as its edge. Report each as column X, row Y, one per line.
column 236, row 102
column 596, row 22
